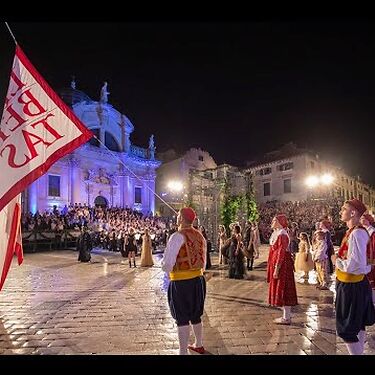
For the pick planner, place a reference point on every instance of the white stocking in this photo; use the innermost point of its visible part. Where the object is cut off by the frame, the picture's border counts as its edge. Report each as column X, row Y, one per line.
column 183, row 338
column 362, row 339
column 198, row 333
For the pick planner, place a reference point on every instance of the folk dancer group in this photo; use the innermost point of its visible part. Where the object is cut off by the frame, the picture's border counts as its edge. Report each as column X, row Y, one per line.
column 185, row 259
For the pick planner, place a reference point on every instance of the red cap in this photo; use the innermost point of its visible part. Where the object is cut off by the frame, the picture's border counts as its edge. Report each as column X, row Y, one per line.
column 281, row 218
column 357, row 205
column 188, row 214
column 369, row 218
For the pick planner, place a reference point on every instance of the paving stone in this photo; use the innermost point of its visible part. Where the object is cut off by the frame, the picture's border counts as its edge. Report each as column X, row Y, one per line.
column 53, row 304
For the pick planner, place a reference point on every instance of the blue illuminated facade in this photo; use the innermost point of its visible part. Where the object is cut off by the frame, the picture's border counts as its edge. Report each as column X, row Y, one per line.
column 91, row 171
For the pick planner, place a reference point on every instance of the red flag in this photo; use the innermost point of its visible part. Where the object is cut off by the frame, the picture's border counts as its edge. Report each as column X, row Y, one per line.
column 10, row 239
column 37, row 128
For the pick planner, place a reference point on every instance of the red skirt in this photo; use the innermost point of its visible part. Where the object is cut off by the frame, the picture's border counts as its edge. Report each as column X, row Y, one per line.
column 282, row 291
column 371, row 277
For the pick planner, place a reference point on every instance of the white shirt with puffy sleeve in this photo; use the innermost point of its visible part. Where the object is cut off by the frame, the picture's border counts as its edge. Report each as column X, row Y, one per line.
column 356, row 262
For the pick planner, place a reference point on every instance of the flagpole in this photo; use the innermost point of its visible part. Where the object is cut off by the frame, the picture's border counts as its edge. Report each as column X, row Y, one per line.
column 11, row 33
column 152, row 191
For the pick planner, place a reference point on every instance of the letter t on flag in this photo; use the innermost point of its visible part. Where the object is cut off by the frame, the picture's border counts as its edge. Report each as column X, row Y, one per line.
column 37, row 128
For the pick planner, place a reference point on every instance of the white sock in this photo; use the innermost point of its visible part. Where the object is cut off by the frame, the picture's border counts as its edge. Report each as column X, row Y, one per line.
column 198, row 333
column 287, row 312
column 183, row 338
column 362, row 339
column 354, row 348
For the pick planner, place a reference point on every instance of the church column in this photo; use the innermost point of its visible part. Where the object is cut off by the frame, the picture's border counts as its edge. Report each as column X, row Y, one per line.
column 151, row 200
column 33, row 197
column 75, row 183
column 128, row 192
column 121, row 180
column 145, row 197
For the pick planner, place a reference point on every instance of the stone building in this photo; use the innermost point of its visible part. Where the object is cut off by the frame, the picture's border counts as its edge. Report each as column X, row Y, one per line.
column 94, row 173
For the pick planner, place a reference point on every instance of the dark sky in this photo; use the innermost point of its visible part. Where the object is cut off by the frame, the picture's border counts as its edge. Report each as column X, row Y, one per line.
column 235, row 89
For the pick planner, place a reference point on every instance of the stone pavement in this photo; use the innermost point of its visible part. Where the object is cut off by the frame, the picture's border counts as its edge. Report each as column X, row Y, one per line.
column 53, row 304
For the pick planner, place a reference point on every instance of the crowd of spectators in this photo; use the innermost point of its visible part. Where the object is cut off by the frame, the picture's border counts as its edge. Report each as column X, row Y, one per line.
column 304, row 213
column 107, row 226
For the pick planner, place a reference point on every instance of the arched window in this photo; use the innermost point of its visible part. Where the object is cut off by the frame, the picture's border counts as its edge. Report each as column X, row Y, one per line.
column 111, row 143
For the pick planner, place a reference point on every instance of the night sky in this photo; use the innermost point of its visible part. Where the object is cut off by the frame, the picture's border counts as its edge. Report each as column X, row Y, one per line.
column 237, row 90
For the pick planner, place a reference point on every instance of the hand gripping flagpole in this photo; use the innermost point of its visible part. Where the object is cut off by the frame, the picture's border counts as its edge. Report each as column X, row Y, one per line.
column 11, row 33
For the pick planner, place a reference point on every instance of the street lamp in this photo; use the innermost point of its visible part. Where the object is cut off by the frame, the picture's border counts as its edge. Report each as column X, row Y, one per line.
column 175, row 186
column 325, row 179
column 318, row 182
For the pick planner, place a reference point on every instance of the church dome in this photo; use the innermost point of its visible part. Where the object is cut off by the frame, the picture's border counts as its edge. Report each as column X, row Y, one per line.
column 72, row 96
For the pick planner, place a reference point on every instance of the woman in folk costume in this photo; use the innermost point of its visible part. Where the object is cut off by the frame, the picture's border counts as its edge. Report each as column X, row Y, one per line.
column 353, row 305
column 146, row 255
column 368, row 222
column 303, row 260
column 280, row 273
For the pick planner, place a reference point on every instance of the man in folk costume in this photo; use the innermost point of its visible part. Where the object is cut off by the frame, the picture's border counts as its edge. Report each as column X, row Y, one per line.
column 185, row 260
column 368, row 222
column 354, row 307
column 280, row 270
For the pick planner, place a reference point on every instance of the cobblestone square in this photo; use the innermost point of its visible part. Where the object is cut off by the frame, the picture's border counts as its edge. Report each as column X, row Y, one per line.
column 53, row 304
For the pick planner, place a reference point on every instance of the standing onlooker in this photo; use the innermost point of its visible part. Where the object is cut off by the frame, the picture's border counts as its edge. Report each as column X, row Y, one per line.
column 208, row 247
column 320, row 258
column 236, row 268
column 131, row 246
column 222, row 239
column 304, row 260
column 146, row 254
column 326, row 226
column 280, row 275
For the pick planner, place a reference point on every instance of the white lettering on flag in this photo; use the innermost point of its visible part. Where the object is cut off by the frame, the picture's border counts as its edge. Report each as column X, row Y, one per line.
column 37, row 128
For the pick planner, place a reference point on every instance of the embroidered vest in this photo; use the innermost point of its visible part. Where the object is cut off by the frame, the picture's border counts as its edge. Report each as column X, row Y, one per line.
column 190, row 258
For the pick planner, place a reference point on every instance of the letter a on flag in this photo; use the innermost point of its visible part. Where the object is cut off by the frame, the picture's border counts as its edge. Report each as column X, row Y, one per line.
column 37, row 128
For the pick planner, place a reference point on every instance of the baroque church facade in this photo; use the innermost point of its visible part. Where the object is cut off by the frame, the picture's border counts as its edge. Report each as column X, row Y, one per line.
column 117, row 174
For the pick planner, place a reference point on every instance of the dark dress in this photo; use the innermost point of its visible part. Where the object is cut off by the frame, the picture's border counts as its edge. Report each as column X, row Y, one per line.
column 131, row 244
column 236, row 266
column 84, row 246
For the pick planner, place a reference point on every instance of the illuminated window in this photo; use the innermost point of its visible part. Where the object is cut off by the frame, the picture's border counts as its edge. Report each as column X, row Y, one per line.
column 137, row 195
column 53, row 186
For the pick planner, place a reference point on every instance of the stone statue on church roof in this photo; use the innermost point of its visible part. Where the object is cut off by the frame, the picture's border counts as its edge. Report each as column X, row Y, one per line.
column 104, row 94
column 151, row 147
